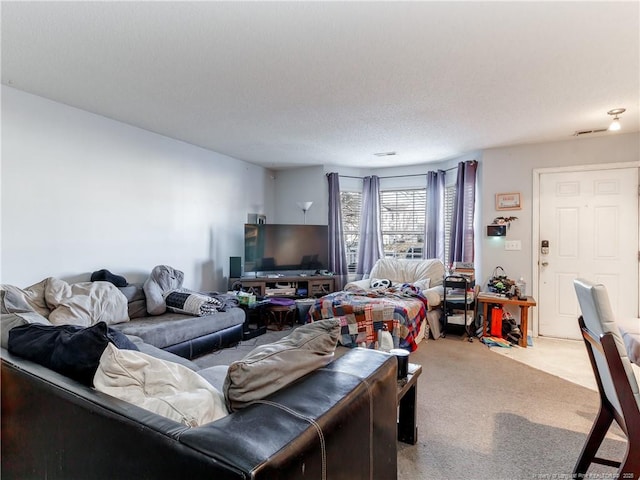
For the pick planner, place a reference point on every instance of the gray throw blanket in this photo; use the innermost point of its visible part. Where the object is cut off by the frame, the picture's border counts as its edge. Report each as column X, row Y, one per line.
column 163, row 279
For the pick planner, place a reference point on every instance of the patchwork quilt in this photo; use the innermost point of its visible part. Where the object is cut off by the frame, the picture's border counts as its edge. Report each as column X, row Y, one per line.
column 363, row 312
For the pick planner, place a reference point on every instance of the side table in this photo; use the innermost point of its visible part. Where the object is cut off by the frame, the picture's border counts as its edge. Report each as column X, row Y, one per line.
column 486, row 298
column 407, row 413
column 253, row 316
column 281, row 314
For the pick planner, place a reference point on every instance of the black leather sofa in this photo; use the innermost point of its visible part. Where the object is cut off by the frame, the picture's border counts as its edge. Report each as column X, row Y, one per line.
column 338, row 422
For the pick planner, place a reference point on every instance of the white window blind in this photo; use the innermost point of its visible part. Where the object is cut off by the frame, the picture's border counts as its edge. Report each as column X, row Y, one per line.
column 350, row 204
column 449, row 199
column 402, row 221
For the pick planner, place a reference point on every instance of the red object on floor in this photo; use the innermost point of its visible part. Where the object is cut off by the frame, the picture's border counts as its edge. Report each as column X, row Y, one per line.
column 496, row 322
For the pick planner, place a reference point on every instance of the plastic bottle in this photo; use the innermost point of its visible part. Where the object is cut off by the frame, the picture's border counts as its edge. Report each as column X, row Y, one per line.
column 521, row 287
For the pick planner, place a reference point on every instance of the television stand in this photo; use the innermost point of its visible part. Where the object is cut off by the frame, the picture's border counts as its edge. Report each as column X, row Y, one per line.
column 315, row 285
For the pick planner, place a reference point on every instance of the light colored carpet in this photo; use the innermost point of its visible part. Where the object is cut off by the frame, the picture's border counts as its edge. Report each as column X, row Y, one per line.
column 483, row 416
column 566, row 359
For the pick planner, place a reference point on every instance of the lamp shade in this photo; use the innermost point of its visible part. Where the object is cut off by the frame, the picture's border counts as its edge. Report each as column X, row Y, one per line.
column 615, row 125
column 305, row 205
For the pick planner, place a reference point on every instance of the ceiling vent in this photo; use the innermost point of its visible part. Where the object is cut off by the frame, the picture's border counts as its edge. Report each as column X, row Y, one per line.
column 587, row 132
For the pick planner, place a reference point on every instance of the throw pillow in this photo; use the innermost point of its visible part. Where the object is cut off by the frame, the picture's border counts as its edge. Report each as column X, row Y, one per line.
column 106, row 276
column 423, row 284
column 381, row 283
column 136, row 301
column 30, row 299
column 632, row 345
column 11, row 320
column 162, row 279
column 268, row 368
column 67, row 349
column 162, row 387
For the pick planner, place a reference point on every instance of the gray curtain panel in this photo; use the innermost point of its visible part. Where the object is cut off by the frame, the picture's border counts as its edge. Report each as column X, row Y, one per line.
column 463, row 210
column 337, row 251
column 434, row 218
column 370, row 245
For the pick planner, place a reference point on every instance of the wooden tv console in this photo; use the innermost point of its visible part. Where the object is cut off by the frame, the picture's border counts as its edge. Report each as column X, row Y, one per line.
column 315, row 285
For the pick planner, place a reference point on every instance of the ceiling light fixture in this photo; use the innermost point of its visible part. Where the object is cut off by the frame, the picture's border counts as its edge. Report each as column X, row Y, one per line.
column 615, row 124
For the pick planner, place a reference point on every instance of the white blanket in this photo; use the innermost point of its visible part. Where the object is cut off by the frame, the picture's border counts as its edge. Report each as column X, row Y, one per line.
column 85, row 303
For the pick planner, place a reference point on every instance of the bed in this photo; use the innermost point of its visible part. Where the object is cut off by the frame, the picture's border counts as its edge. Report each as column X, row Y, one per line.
column 404, row 295
column 402, row 309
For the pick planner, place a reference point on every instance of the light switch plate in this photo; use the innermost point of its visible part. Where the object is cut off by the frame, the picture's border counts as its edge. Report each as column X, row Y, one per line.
column 513, row 245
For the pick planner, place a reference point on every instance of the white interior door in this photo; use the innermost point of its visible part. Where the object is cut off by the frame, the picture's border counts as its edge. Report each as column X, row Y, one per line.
column 590, row 219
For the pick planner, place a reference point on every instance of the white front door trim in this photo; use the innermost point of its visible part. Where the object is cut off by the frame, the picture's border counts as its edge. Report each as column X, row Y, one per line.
column 535, row 215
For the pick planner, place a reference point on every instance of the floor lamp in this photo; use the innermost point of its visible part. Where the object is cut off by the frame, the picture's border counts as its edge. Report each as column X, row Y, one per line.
column 305, row 206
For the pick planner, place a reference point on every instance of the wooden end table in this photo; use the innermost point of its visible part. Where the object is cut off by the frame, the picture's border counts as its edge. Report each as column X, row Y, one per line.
column 485, row 299
column 281, row 314
column 407, row 414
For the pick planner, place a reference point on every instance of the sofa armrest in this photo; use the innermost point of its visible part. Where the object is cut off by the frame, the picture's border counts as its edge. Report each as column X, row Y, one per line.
column 337, row 422
column 434, row 295
column 358, row 285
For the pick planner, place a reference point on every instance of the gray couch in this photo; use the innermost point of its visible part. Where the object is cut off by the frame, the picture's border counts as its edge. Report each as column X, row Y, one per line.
column 186, row 335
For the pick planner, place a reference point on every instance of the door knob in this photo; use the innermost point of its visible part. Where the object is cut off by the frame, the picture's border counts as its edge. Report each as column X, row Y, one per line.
column 544, row 264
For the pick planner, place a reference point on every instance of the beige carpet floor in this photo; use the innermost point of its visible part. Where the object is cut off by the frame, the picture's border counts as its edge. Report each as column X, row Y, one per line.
column 484, row 416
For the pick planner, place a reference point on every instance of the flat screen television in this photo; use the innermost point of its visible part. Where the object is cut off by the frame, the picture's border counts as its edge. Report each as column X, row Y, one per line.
column 278, row 248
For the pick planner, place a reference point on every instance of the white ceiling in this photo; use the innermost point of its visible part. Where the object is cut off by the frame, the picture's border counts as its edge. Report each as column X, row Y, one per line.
column 286, row 84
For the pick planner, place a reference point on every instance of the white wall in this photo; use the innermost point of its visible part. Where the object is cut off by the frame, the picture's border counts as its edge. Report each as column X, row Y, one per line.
column 507, row 169
column 510, row 169
column 81, row 192
column 300, row 185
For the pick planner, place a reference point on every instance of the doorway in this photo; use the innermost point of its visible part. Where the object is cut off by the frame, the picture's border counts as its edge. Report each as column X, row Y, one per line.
column 585, row 226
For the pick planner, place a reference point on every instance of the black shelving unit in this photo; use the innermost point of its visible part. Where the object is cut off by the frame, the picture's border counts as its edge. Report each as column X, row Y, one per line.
column 459, row 299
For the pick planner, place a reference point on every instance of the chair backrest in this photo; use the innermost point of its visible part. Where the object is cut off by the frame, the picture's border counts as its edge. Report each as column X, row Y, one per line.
column 599, row 319
column 409, row 271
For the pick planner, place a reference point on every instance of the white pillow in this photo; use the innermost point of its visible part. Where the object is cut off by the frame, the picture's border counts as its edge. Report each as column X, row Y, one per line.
column 423, row 284
column 380, row 283
column 632, row 345
column 166, row 388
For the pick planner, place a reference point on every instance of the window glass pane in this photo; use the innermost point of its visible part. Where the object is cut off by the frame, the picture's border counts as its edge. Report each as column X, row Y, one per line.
column 350, row 204
column 402, row 219
column 449, row 198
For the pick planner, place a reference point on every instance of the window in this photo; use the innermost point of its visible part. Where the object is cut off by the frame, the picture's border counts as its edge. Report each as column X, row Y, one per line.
column 402, row 221
column 449, row 199
column 350, row 204
column 402, row 215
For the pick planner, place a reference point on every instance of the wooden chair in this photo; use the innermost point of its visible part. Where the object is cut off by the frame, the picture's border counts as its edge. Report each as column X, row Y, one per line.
column 617, row 384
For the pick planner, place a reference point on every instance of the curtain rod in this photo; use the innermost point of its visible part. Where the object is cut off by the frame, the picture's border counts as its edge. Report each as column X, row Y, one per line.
column 400, row 176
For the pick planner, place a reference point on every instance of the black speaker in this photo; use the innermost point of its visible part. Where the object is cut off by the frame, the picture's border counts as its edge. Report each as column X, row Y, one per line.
column 235, row 267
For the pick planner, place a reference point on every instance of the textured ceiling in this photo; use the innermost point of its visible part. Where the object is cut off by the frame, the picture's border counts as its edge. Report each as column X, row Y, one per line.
column 304, row 83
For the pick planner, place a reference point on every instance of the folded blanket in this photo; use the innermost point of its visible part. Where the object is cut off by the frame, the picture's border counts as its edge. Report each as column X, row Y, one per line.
column 192, row 303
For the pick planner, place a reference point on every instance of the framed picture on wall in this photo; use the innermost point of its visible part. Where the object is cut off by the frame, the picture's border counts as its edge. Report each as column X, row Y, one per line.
column 508, row 201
